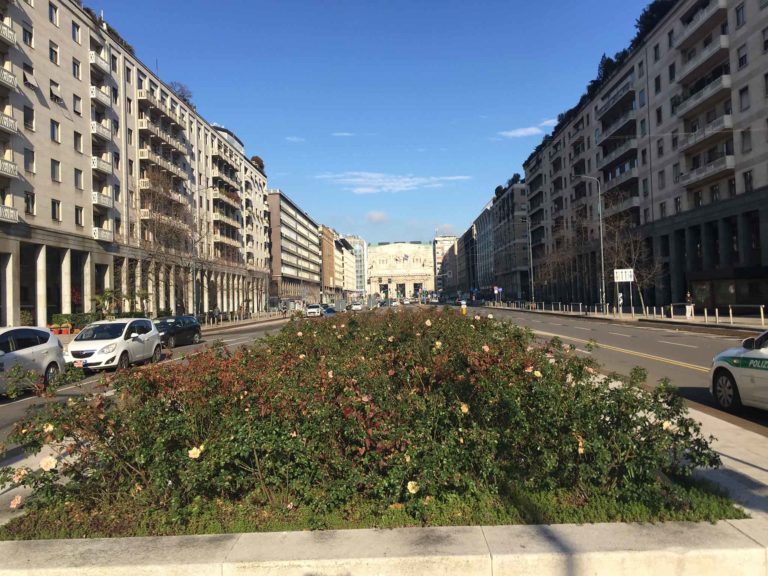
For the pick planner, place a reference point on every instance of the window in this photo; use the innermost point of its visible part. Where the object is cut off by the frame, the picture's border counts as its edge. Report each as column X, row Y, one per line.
column 28, row 37
column 662, row 209
column 53, row 13
column 660, row 147
column 662, row 180
column 645, row 188
column 130, row 167
column 78, row 179
column 76, row 68
column 29, row 75
column 744, row 98
column 698, row 199
column 129, row 106
column 129, row 135
column 55, row 131
column 765, row 39
column 643, row 129
column 731, row 187
column 747, row 178
column 29, row 203
column 678, row 204
column 56, row 210
column 116, row 128
column 741, row 55
column 672, row 72
column 78, row 141
column 644, row 157
column 29, row 160
column 765, row 84
column 78, row 216
column 128, row 75
column 56, row 92
column 29, row 118
column 746, row 140
column 76, row 32
column 714, row 192
column 741, row 17
column 674, row 139
column 114, row 63
column 53, row 52
column 640, row 69
column 658, row 115
column 116, row 192
column 671, row 38
column 115, row 95
column 55, row 170
column 656, row 53
column 641, row 98
column 77, row 104
column 675, row 172
column 657, row 84
column 116, row 160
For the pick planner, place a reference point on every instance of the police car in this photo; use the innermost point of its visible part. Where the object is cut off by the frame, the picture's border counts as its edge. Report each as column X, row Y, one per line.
column 739, row 376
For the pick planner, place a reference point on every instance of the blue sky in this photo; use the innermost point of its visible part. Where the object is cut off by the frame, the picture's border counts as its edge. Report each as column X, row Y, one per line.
column 382, row 118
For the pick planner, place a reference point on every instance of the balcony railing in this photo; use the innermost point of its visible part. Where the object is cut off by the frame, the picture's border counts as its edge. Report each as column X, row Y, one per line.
column 103, row 235
column 621, row 178
column 98, row 62
column 722, row 164
column 9, row 214
column 7, row 79
column 617, row 152
column 99, row 199
column 7, row 34
column 628, row 116
column 8, row 124
column 622, row 205
column 228, row 198
column 100, row 131
column 718, row 46
column 702, row 16
column 218, row 173
column 721, row 124
column 220, row 217
column 703, row 95
column 101, row 165
column 615, row 97
column 8, row 169
column 222, row 239
column 100, row 96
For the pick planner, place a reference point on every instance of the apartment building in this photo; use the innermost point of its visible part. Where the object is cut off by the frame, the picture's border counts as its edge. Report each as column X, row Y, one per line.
column 349, row 267
column 400, row 269
column 674, row 143
column 109, row 181
column 443, row 274
column 360, row 248
column 295, row 251
column 510, row 242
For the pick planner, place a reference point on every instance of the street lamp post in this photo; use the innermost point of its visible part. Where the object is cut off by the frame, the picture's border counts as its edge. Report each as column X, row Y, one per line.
column 602, row 252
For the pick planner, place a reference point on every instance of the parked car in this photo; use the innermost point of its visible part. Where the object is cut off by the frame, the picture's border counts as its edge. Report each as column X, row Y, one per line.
column 394, row 303
column 176, row 330
column 356, row 306
column 313, row 310
column 739, row 376
column 406, row 301
column 114, row 344
column 329, row 311
column 33, row 349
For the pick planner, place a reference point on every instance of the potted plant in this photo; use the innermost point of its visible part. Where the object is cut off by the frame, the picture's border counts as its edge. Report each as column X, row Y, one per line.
column 55, row 328
column 66, row 327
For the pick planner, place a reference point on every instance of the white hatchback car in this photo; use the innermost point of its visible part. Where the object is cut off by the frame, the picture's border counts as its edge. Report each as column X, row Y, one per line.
column 739, row 376
column 32, row 349
column 114, row 344
column 313, row 310
column 356, row 306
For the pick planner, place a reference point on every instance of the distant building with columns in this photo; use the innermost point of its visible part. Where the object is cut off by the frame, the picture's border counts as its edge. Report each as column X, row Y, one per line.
column 400, row 269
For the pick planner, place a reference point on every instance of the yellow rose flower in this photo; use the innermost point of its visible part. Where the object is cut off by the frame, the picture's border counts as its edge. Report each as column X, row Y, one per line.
column 413, row 487
column 438, row 345
column 537, row 374
column 48, row 463
column 464, row 408
column 48, row 428
column 194, row 453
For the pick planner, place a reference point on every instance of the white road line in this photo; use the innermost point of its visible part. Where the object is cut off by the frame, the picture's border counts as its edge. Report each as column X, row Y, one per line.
column 620, row 334
column 583, row 351
column 581, row 328
column 556, row 324
column 676, row 344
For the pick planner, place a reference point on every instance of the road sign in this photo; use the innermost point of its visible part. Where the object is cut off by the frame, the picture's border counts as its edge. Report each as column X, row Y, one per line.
column 624, row 275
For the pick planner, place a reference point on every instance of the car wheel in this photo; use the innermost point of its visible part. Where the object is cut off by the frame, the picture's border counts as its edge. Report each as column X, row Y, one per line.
column 124, row 362
column 196, row 338
column 51, row 374
column 171, row 342
column 156, row 355
column 726, row 392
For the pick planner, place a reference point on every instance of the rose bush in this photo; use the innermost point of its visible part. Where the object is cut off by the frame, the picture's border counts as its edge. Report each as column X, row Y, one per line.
column 420, row 417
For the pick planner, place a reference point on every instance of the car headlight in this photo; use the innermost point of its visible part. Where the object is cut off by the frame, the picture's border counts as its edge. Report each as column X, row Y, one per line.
column 66, row 349
column 108, row 349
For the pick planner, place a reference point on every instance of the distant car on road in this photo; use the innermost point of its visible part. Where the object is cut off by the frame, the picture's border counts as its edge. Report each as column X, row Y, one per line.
column 313, row 310
column 114, row 344
column 394, row 303
column 32, row 349
column 329, row 311
column 739, row 376
column 356, row 306
column 176, row 330
column 406, row 301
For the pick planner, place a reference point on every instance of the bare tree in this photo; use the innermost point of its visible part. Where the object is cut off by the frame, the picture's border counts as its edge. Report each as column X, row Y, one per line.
column 183, row 92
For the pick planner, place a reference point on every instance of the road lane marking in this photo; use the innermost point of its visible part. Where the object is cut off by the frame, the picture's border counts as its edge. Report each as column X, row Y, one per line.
column 619, row 334
column 583, row 351
column 556, row 324
column 580, row 328
column 630, row 352
column 677, row 344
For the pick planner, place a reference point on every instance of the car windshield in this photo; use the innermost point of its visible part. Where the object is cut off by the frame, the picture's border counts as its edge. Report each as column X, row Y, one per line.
column 101, row 332
column 165, row 323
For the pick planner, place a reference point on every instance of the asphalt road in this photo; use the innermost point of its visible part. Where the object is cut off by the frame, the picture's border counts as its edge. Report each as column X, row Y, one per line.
column 683, row 357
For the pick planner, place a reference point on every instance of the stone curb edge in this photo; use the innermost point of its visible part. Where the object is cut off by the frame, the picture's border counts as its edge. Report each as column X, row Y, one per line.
column 736, row 548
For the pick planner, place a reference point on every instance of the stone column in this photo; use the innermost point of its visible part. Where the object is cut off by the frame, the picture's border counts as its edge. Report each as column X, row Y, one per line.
column 746, row 254
column 206, row 304
column 124, row 291
column 725, row 240
column 89, row 280
column 138, row 280
column 66, row 281
column 161, row 271
column 676, row 267
column 172, row 288
column 12, row 286
column 707, row 247
column 691, row 254
column 41, row 300
column 764, row 237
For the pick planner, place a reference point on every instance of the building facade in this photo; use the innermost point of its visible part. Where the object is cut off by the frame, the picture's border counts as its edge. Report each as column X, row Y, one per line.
column 485, row 252
column 444, row 274
column 510, row 243
column 295, row 252
column 400, row 269
column 110, row 182
column 360, row 248
column 673, row 144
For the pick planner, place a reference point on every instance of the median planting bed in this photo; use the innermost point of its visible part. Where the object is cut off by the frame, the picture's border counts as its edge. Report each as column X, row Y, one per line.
column 394, row 419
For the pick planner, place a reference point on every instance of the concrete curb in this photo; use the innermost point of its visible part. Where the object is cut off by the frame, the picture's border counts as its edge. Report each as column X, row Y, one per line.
column 736, row 548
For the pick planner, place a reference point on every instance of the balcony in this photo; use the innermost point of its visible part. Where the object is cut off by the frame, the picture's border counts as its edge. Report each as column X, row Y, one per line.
column 164, row 163
column 701, row 23
column 622, row 206
column 101, row 165
column 100, row 131
column 101, row 97
column 714, row 169
column 218, row 173
column 98, row 62
column 224, row 219
column 617, row 152
column 621, row 179
column 696, row 101
column 620, row 122
column 8, row 124
column 533, row 172
column 162, row 219
column 220, row 238
column 616, row 97
column 103, row 235
column 7, row 79
column 7, row 35
column 9, row 214
column 152, row 100
column 102, row 200
column 8, row 169
column 705, row 59
column 711, row 130
column 227, row 198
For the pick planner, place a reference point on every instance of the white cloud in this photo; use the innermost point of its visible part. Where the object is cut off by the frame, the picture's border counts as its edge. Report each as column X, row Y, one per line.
column 375, row 217
column 376, row 182
column 294, row 139
column 446, row 230
column 549, row 123
column 522, row 132
column 342, row 134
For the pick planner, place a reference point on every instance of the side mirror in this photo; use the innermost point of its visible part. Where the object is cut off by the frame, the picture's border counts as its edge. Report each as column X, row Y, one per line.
column 134, row 335
column 749, row 344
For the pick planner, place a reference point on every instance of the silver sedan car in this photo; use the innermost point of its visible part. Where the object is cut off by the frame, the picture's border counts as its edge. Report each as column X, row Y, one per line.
column 32, row 349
